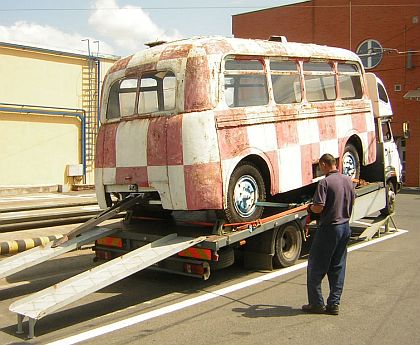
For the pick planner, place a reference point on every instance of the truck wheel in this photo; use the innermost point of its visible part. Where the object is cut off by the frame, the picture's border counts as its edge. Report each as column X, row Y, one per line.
column 246, row 187
column 351, row 162
column 390, row 200
column 226, row 259
column 288, row 245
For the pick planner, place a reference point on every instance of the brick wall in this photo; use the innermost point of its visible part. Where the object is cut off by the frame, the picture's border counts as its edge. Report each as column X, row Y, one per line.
column 332, row 22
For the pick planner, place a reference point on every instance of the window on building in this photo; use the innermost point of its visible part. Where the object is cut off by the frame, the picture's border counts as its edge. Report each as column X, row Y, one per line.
column 371, row 53
column 286, row 82
column 245, row 83
column 319, row 81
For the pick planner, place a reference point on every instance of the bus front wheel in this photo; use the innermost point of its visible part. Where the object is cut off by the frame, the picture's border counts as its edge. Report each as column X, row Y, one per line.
column 351, row 161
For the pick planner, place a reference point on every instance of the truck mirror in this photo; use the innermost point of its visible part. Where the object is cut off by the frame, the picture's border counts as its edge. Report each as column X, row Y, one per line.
column 406, row 130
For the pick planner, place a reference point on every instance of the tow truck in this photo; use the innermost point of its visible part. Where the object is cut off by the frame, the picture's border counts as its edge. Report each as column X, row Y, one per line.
column 196, row 246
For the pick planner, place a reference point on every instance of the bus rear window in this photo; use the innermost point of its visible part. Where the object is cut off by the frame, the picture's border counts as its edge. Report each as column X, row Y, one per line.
column 122, row 98
column 156, row 93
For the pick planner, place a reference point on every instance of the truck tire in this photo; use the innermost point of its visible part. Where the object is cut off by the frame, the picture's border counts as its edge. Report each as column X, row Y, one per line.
column 246, row 187
column 226, row 259
column 351, row 161
column 390, row 200
column 288, row 245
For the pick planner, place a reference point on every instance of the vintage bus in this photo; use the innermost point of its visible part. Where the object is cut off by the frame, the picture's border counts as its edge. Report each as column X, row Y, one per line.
column 214, row 123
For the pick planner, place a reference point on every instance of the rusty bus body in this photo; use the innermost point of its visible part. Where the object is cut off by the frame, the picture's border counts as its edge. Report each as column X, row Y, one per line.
column 221, row 123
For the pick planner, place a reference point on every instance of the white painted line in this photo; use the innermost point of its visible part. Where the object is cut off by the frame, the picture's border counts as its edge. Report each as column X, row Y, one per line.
column 200, row 299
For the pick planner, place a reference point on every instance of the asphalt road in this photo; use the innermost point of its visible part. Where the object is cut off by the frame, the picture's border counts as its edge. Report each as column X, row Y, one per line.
column 380, row 304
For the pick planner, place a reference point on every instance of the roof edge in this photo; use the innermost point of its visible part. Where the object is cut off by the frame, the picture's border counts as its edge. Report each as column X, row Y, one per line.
column 291, row 3
column 57, row 52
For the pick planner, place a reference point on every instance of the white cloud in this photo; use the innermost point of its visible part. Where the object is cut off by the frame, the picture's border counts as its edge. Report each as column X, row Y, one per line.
column 45, row 36
column 129, row 27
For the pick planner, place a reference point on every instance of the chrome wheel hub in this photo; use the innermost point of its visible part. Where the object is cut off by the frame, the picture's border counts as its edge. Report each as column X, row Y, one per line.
column 349, row 165
column 245, row 195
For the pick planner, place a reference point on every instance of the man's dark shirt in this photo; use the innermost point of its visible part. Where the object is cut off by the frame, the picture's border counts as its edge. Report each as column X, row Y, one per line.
column 336, row 193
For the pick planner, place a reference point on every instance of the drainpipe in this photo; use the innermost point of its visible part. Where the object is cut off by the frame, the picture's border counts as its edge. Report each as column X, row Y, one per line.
column 52, row 111
column 99, row 93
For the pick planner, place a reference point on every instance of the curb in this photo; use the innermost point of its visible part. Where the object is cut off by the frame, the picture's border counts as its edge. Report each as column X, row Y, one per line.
column 17, row 246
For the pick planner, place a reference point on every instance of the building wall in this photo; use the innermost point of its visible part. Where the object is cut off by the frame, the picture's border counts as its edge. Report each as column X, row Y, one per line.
column 343, row 23
column 36, row 149
column 38, row 138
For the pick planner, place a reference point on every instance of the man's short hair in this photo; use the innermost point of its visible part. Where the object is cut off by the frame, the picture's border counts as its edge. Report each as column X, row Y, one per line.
column 328, row 159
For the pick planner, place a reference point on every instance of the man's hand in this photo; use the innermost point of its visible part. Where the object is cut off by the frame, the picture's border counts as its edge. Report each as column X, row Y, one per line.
column 312, row 211
column 315, row 208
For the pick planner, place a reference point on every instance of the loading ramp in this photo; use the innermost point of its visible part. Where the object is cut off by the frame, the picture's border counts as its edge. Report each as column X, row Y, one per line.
column 37, row 255
column 85, row 233
column 55, row 297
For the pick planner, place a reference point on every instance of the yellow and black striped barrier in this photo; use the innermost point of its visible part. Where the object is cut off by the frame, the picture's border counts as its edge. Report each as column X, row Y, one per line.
column 17, row 246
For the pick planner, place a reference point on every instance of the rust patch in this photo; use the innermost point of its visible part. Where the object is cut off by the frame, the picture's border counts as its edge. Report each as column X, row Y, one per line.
column 132, row 175
column 156, row 142
column 174, row 140
column 310, row 154
column 178, row 51
column 197, row 84
column 203, row 186
column 140, row 69
column 232, row 142
column 120, row 64
column 99, row 156
column 287, row 133
column 217, row 47
column 109, row 150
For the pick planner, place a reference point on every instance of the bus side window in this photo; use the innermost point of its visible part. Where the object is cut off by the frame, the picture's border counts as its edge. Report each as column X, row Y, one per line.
column 319, row 81
column 349, row 81
column 286, row 82
column 245, row 83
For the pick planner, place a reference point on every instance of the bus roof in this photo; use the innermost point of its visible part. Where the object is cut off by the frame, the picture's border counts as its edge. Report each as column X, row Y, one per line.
column 222, row 46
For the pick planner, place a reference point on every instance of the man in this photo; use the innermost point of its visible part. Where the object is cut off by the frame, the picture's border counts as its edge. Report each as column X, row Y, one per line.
column 333, row 202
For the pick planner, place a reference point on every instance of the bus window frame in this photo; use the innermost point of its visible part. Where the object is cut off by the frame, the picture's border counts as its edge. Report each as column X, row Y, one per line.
column 136, row 113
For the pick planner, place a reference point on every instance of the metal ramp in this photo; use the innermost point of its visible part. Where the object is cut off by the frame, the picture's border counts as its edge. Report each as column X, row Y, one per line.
column 375, row 227
column 37, row 255
column 118, row 207
column 84, row 233
column 55, row 297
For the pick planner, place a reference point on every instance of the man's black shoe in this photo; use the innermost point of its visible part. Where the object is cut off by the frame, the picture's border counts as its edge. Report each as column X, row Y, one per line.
column 313, row 309
column 333, row 309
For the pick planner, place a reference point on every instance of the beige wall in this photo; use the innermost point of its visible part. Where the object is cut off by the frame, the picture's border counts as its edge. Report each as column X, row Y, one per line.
column 35, row 148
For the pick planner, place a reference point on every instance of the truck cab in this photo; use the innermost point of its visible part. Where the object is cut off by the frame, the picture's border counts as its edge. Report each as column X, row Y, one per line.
column 386, row 144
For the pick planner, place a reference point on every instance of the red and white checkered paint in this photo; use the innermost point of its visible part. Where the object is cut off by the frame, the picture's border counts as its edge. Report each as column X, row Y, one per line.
column 189, row 157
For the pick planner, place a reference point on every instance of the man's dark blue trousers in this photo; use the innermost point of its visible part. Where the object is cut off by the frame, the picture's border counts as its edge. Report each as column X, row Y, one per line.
column 327, row 256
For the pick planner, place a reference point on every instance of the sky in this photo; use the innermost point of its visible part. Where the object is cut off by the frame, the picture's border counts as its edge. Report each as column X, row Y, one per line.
column 117, row 27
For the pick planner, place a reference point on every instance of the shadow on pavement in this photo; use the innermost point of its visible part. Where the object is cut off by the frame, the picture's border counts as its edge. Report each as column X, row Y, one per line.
column 267, row 310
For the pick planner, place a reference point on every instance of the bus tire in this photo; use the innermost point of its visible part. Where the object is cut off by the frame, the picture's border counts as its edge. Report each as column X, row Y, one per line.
column 351, row 161
column 390, row 199
column 288, row 245
column 246, row 187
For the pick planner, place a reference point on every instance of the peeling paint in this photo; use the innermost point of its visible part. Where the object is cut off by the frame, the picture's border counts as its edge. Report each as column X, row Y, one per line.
column 187, row 154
